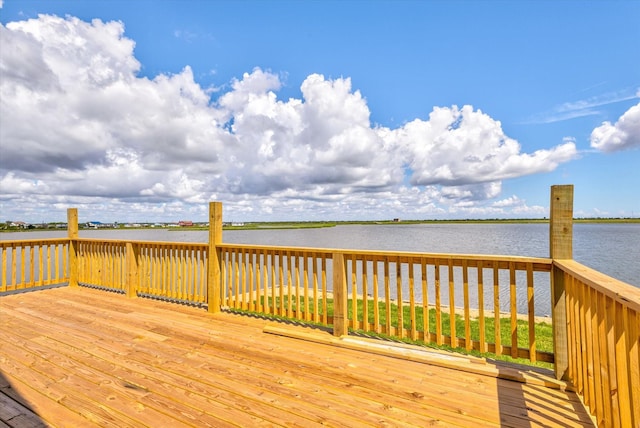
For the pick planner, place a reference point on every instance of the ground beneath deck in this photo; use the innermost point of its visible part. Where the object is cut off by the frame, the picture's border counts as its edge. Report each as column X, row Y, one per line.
column 83, row 357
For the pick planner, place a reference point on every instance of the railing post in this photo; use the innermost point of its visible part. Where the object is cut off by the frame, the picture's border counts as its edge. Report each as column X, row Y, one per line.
column 132, row 252
column 214, row 281
column 72, row 232
column 340, row 315
column 560, row 247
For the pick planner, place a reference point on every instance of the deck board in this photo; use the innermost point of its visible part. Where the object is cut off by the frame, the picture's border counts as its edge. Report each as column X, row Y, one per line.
column 82, row 357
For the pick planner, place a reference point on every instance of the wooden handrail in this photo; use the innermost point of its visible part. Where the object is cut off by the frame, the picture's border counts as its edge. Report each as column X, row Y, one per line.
column 618, row 290
column 603, row 325
column 33, row 263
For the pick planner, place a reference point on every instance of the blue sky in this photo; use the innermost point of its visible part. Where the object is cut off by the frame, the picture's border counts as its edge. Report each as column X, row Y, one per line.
column 318, row 110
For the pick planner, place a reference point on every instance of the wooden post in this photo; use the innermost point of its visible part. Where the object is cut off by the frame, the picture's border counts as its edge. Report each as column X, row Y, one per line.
column 340, row 315
column 72, row 232
column 214, row 281
column 561, row 247
column 132, row 269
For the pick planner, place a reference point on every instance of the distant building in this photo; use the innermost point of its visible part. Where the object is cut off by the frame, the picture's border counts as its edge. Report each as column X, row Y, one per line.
column 98, row 225
column 185, row 223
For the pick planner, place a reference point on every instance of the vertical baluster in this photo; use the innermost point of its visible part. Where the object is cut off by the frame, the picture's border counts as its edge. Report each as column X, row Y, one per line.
column 604, row 358
column 354, row 292
column 387, row 294
column 3, row 284
column 400, row 331
column 481, row 319
column 65, row 253
column 452, row 306
column 365, row 295
column 467, row 317
column 314, row 262
column 259, row 270
column 531, row 314
column 305, row 273
column 57, row 262
column 41, row 264
column 291, row 263
column 376, row 300
column 597, row 407
column 610, row 320
column 425, row 299
column 225, row 273
column 22, row 266
column 32, row 266
column 439, row 339
column 588, row 346
column 296, row 282
column 325, row 309
column 496, row 308
column 633, row 352
column 202, row 275
column 249, row 280
column 281, row 307
column 109, row 256
column 412, row 301
column 622, row 370
column 190, row 272
column 273, row 282
column 514, row 310
column 237, row 304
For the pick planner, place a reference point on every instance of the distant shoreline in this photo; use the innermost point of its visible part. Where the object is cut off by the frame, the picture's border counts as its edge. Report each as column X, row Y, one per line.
column 321, row 224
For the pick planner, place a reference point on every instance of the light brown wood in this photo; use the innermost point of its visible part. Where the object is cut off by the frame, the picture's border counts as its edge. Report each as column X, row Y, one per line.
column 72, row 356
column 497, row 340
column 72, row 233
column 340, row 296
column 634, row 364
column 560, row 247
column 214, row 283
column 602, row 337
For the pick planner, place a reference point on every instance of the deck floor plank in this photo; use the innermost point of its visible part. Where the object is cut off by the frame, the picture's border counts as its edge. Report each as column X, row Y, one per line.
column 90, row 356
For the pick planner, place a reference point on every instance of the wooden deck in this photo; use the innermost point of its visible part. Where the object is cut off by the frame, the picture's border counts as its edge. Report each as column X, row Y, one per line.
column 84, row 357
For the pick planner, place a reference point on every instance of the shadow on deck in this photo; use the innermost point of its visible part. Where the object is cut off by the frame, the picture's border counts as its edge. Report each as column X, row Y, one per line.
column 82, row 357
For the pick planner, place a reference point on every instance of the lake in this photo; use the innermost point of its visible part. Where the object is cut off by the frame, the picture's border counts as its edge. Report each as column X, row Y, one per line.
column 613, row 249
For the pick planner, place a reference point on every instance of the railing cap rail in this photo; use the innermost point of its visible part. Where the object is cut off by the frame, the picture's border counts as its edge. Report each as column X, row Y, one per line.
column 142, row 242
column 618, row 290
column 27, row 242
column 393, row 253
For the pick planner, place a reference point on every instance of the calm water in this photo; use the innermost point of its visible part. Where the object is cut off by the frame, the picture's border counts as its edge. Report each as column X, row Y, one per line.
column 613, row 249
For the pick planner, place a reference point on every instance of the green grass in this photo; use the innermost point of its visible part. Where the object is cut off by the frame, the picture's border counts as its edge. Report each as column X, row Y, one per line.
column 543, row 331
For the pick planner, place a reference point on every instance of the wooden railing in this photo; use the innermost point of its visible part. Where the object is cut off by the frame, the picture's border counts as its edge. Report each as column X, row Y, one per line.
column 176, row 271
column 420, row 296
column 102, row 264
column 603, row 329
column 423, row 297
column 33, row 263
column 170, row 270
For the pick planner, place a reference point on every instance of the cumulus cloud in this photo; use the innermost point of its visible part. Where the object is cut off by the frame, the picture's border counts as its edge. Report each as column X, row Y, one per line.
column 81, row 127
column 623, row 135
column 461, row 146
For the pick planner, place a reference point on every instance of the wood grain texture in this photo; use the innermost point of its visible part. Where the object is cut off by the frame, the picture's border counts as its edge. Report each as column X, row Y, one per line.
column 85, row 357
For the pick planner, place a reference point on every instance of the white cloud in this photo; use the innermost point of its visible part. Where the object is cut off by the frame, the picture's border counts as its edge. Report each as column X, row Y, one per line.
column 623, row 135
column 81, row 127
column 459, row 146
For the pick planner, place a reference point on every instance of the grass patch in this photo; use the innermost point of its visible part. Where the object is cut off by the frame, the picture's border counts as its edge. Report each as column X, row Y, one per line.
column 543, row 331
